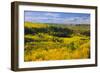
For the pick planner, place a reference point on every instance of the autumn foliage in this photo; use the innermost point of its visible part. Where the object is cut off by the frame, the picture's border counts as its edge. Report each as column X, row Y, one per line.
column 56, row 41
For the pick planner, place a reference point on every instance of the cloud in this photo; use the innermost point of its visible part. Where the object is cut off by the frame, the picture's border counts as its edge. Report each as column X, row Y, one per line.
column 52, row 14
column 35, row 18
column 54, row 17
column 71, row 20
column 76, row 20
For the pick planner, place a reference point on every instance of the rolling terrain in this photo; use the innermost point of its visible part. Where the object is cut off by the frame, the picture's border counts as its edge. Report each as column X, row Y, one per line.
column 45, row 41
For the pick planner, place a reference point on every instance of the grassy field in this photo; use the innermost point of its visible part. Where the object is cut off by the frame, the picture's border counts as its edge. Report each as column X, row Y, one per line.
column 56, row 41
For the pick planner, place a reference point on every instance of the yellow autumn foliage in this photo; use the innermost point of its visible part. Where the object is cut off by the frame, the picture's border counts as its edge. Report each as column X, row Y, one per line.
column 44, row 46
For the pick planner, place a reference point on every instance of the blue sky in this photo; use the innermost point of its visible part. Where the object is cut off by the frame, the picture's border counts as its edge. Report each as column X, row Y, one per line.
column 56, row 17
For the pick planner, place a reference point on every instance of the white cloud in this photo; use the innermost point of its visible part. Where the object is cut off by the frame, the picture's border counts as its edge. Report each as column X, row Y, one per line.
column 76, row 20
column 52, row 14
column 56, row 18
column 35, row 18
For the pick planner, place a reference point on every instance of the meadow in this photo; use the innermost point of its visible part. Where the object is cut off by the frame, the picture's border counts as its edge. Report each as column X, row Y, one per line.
column 45, row 41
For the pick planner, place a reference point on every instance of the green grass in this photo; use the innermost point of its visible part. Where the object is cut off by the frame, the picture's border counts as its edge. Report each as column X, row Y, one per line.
column 56, row 42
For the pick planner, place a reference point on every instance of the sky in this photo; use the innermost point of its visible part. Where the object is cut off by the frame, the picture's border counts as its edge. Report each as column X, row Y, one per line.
column 56, row 17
